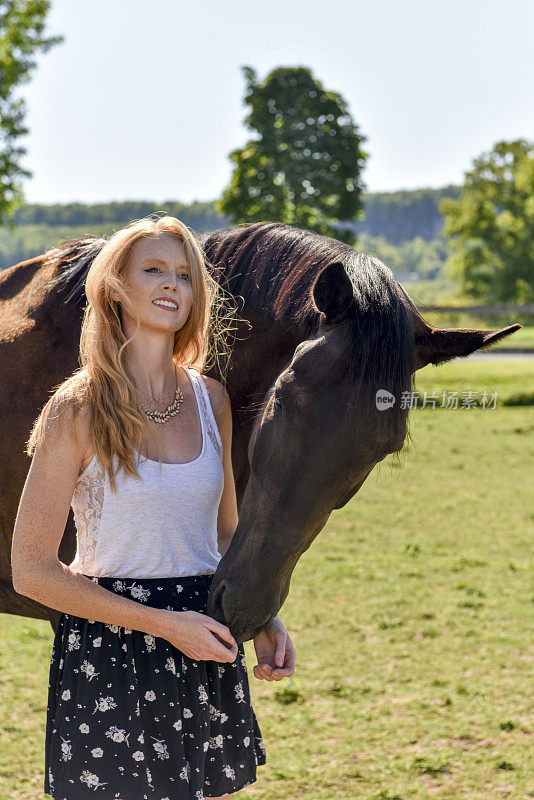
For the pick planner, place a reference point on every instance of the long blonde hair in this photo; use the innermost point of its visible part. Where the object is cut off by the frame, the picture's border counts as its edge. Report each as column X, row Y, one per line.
column 117, row 422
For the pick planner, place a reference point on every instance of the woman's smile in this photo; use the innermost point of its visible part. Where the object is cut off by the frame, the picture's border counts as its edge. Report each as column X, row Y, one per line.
column 170, row 305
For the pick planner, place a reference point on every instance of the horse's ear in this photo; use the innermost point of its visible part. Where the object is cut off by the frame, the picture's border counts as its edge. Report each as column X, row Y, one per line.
column 438, row 345
column 332, row 292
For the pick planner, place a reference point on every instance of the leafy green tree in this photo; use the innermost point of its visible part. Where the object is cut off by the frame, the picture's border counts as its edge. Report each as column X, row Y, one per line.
column 491, row 226
column 22, row 36
column 304, row 166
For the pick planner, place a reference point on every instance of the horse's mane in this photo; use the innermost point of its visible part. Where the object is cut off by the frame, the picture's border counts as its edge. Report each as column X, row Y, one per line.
column 274, row 265
column 271, row 266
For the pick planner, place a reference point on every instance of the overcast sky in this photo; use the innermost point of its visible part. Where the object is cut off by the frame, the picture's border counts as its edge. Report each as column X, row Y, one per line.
column 144, row 100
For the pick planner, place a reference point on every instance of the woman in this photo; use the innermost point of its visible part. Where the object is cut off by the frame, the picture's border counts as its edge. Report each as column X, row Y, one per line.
column 148, row 696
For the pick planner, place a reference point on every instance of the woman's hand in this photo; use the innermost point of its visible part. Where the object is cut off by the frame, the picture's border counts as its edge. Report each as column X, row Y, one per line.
column 199, row 636
column 275, row 652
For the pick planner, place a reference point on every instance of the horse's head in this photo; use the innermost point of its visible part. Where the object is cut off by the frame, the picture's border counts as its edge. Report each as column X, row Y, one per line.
column 338, row 408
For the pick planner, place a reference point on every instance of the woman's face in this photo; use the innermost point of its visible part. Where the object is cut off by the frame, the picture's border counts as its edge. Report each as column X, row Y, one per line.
column 157, row 269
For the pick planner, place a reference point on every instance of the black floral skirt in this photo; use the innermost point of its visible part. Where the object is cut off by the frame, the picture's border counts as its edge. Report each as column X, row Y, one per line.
column 132, row 717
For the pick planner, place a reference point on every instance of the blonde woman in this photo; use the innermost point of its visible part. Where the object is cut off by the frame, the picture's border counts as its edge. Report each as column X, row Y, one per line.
column 148, row 696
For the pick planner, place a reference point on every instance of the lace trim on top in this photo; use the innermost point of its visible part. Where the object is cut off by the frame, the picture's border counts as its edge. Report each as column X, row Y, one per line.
column 87, row 502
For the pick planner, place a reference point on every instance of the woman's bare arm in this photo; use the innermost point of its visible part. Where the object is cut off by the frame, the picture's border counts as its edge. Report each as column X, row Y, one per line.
column 38, row 573
column 41, row 518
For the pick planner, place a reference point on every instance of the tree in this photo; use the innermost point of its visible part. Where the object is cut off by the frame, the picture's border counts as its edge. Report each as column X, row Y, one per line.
column 22, row 24
column 491, row 226
column 304, row 166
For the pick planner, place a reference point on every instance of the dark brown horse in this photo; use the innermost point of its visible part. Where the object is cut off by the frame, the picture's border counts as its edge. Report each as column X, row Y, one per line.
column 331, row 333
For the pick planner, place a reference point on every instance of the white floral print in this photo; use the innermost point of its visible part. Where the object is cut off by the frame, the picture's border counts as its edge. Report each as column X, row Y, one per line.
column 161, row 749
column 216, row 741
column 170, row 665
column 240, row 695
column 74, row 640
column 89, row 670
column 118, row 734
column 152, row 707
column 93, row 781
column 104, row 704
column 66, row 751
column 138, row 592
column 112, row 628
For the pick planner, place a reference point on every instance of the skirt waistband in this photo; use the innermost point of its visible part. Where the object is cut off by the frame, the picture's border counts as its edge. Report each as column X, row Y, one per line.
column 184, row 579
column 176, row 593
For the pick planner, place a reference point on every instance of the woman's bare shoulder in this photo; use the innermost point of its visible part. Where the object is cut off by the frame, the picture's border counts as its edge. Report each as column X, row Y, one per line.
column 76, row 413
column 218, row 395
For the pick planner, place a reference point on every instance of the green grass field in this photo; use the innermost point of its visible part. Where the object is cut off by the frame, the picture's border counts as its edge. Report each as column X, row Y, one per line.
column 412, row 618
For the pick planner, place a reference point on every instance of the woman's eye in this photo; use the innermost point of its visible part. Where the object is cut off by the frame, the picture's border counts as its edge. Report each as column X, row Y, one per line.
column 187, row 275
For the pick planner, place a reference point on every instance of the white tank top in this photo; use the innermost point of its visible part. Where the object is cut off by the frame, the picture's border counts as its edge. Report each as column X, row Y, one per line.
column 164, row 525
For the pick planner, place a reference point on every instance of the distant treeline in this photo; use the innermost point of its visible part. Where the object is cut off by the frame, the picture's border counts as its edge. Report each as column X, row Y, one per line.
column 199, row 216
column 400, row 216
column 403, row 228
column 397, row 216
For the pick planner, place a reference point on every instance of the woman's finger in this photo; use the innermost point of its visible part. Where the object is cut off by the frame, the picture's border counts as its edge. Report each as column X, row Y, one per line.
column 222, row 650
column 219, row 630
column 288, row 667
column 258, row 672
column 280, row 649
column 262, row 672
column 282, row 672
